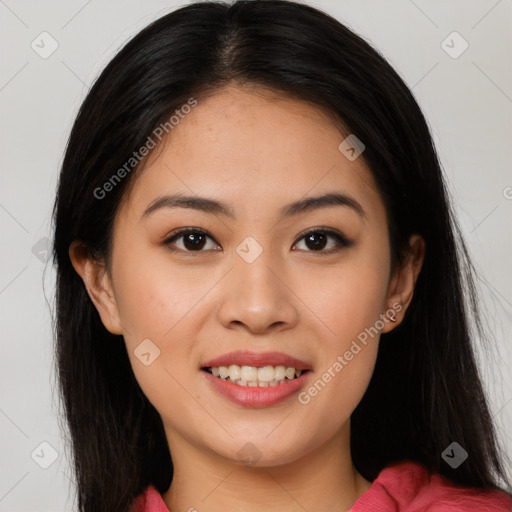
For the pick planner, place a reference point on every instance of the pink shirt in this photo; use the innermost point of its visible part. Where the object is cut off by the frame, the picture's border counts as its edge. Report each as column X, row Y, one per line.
column 401, row 487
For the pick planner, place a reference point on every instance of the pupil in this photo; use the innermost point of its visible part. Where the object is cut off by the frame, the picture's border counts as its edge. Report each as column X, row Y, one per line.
column 193, row 241
column 317, row 240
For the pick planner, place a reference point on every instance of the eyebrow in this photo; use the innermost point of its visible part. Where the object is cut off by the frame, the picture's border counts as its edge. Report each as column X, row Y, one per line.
column 215, row 207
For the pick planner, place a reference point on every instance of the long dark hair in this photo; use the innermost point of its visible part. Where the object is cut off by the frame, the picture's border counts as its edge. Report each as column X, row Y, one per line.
column 425, row 392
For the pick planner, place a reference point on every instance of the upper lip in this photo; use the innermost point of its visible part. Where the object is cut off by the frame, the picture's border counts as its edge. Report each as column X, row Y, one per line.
column 246, row 358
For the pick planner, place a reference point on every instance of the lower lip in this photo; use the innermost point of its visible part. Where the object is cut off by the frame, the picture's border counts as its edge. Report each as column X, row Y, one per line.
column 256, row 396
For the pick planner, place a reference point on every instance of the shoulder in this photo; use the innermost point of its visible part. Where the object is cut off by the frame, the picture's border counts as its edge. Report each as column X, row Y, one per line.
column 149, row 501
column 408, row 487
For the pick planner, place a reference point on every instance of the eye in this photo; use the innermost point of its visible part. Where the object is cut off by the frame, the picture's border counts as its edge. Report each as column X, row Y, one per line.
column 317, row 239
column 193, row 240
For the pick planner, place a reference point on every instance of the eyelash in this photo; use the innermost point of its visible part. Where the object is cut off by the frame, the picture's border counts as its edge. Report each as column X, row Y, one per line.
column 341, row 240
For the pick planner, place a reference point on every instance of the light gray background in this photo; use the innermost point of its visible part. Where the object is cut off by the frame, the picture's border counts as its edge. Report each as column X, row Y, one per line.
column 467, row 102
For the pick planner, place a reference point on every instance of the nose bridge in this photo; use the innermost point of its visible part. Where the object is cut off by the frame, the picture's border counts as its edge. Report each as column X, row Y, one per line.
column 252, row 266
column 256, row 296
column 257, row 275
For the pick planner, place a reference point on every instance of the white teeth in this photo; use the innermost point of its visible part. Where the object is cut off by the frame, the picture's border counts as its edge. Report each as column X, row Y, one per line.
column 249, row 373
column 234, row 372
column 290, row 373
column 252, row 376
column 280, row 372
column 266, row 373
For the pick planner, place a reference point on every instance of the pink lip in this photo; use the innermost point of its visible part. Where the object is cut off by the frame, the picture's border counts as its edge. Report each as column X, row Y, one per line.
column 256, row 396
column 246, row 358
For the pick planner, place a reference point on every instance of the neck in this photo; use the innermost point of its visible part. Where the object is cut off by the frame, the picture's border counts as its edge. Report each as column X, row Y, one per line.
column 323, row 479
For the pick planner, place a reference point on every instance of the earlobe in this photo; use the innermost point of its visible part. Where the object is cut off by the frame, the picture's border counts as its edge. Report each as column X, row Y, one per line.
column 404, row 280
column 97, row 284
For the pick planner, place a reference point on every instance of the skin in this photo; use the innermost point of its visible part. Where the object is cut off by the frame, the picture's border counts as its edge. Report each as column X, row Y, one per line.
column 255, row 151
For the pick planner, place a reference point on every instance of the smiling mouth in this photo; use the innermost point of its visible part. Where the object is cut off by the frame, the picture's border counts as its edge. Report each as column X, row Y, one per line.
column 254, row 376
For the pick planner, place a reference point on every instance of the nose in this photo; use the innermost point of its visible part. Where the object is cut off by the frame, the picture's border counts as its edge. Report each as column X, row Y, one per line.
column 257, row 298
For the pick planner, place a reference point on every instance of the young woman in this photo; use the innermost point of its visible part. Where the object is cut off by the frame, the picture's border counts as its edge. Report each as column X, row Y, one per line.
column 261, row 286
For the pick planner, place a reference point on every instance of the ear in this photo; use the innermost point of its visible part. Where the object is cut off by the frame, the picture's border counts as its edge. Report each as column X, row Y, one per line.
column 402, row 283
column 97, row 284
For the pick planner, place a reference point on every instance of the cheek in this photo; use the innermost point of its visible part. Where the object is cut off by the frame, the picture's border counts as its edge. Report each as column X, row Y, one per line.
column 347, row 361
column 153, row 298
column 154, row 307
column 158, row 302
column 349, row 297
column 349, row 300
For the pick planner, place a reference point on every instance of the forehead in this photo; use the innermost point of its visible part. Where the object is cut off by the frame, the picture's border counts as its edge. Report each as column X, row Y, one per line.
column 254, row 149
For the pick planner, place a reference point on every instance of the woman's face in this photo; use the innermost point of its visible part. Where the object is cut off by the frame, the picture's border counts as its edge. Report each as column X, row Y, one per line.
column 255, row 280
